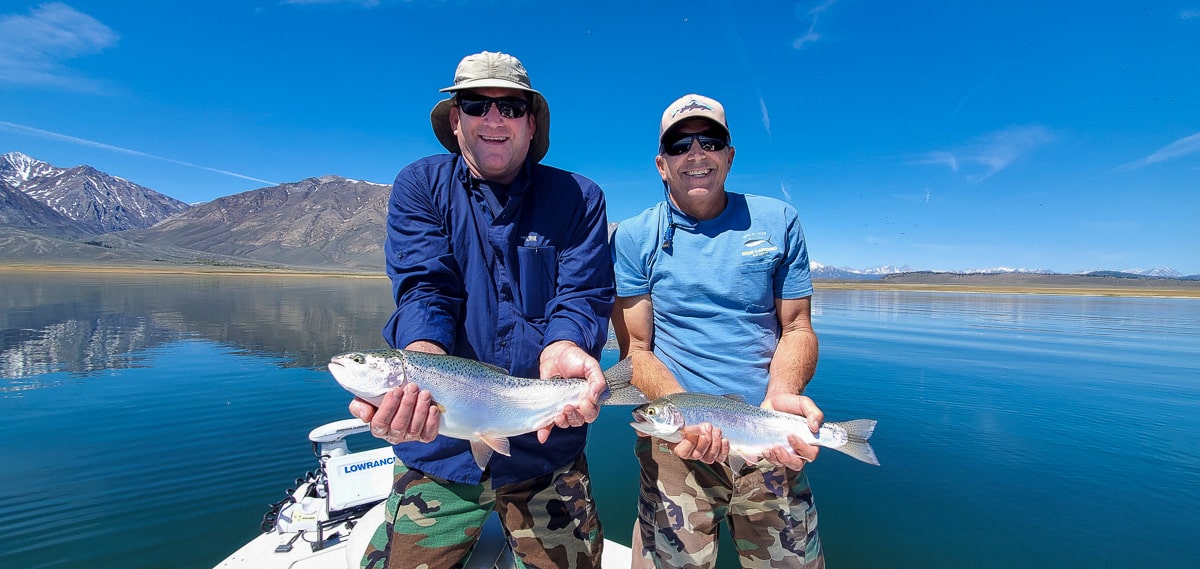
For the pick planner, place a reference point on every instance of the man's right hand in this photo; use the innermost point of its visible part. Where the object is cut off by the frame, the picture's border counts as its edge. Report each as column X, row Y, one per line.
column 701, row 442
column 406, row 413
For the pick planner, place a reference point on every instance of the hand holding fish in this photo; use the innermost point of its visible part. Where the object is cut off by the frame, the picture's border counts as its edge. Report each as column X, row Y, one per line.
column 701, row 442
column 406, row 413
column 801, row 452
column 565, row 359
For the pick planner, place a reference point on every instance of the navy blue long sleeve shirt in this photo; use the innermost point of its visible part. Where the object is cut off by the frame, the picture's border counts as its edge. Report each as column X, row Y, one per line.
column 497, row 283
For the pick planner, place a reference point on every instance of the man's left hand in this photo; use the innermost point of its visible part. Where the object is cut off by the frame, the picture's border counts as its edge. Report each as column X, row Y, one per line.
column 800, row 452
column 564, row 359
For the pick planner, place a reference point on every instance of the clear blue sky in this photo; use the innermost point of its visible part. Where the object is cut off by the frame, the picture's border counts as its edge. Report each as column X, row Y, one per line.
column 935, row 135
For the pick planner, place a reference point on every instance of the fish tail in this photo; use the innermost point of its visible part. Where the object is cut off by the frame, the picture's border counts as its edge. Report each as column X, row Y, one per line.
column 857, row 433
column 621, row 390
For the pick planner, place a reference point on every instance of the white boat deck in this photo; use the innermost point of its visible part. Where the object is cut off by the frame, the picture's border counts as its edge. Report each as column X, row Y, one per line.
column 323, row 525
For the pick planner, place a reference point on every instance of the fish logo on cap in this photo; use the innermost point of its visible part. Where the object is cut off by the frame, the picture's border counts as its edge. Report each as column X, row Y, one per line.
column 693, row 105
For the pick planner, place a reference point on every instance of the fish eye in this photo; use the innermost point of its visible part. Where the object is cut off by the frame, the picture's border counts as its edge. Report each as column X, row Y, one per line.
column 358, row 358
column 651, row 411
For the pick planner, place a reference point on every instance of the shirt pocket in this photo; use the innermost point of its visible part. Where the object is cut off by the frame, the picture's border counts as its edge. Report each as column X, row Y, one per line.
column 753, row 285
column 539, row 279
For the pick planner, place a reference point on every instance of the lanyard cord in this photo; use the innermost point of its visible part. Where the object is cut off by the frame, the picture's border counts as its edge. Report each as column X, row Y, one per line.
column 669, row 234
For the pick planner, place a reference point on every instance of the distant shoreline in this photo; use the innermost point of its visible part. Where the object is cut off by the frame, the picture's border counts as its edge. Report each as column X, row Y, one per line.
column 1152, row 289
column 198, row 269
column 1164, row 288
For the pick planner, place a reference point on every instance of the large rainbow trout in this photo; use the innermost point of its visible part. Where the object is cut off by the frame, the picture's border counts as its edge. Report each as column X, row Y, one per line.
column 749, row 429
column 479, row 403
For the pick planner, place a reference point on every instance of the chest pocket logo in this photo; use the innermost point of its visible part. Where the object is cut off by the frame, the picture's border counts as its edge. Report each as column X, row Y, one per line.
column 539, row 278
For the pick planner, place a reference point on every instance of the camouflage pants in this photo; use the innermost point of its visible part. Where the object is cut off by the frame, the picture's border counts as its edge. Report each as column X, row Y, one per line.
column 681, row 505
column 550, row 521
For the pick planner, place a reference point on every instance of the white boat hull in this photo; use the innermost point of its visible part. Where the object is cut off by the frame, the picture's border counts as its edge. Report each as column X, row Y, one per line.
column 329, row 519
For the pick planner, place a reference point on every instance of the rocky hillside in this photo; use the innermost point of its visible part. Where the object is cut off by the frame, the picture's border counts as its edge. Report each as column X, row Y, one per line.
column 328, row 222
column 19, row 210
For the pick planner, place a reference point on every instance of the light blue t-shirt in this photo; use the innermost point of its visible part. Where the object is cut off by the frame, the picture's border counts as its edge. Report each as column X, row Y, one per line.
column 714, row 287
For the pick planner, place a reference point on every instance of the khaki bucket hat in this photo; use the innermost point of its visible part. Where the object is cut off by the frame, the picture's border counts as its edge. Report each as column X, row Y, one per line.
column 492, row 69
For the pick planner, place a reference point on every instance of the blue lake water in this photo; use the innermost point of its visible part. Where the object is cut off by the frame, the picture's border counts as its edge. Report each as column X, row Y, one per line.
column 148, row 420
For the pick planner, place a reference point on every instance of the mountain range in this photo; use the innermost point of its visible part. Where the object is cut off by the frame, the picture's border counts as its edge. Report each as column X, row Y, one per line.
column 82, row 198
column 81, row 215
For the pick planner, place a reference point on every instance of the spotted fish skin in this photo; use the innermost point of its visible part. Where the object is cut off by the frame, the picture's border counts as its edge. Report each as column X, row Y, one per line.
column 749, row 429
column 478, row 402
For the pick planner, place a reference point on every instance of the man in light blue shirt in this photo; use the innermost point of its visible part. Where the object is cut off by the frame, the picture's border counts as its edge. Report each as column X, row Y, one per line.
column 714, row 296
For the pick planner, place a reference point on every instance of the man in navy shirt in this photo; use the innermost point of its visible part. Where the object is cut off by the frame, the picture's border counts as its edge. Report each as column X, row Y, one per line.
column 495, row 257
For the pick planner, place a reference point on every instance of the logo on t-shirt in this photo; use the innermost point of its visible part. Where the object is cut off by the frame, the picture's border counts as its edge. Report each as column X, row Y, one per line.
column 757, row 244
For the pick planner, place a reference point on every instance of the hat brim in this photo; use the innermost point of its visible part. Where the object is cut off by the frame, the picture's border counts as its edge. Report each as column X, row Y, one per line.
column 488, row 82
column 674, row 127
column 439, row 117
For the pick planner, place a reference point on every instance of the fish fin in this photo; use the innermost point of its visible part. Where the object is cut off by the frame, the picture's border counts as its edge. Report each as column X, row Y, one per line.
column 483, row 447
column 737, row 462
column 621, row 390
column 860, row 450
column 481, row 453
column 627, row 396
column 859, row 429
column 857, row 433
column 493, row 367
column 498, row 444
column 620, row 373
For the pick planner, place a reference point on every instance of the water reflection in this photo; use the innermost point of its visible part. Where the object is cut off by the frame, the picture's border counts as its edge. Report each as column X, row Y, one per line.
column 1047, row 313
column 85, row 323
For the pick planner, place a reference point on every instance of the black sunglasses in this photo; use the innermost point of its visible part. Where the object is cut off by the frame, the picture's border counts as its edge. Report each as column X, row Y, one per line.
column 683, row 144
column 478, row 105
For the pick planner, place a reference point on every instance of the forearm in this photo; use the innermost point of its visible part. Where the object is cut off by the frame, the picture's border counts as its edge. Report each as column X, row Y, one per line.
column 794, row 363
column 651, row 376
column 633, row 322
column 795, row 359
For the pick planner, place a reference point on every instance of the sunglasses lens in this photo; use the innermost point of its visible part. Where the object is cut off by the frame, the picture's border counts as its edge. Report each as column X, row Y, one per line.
column 510, row 107
column 684, row 144
column 680, row 147
column 473, row 107
column 711, row 144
